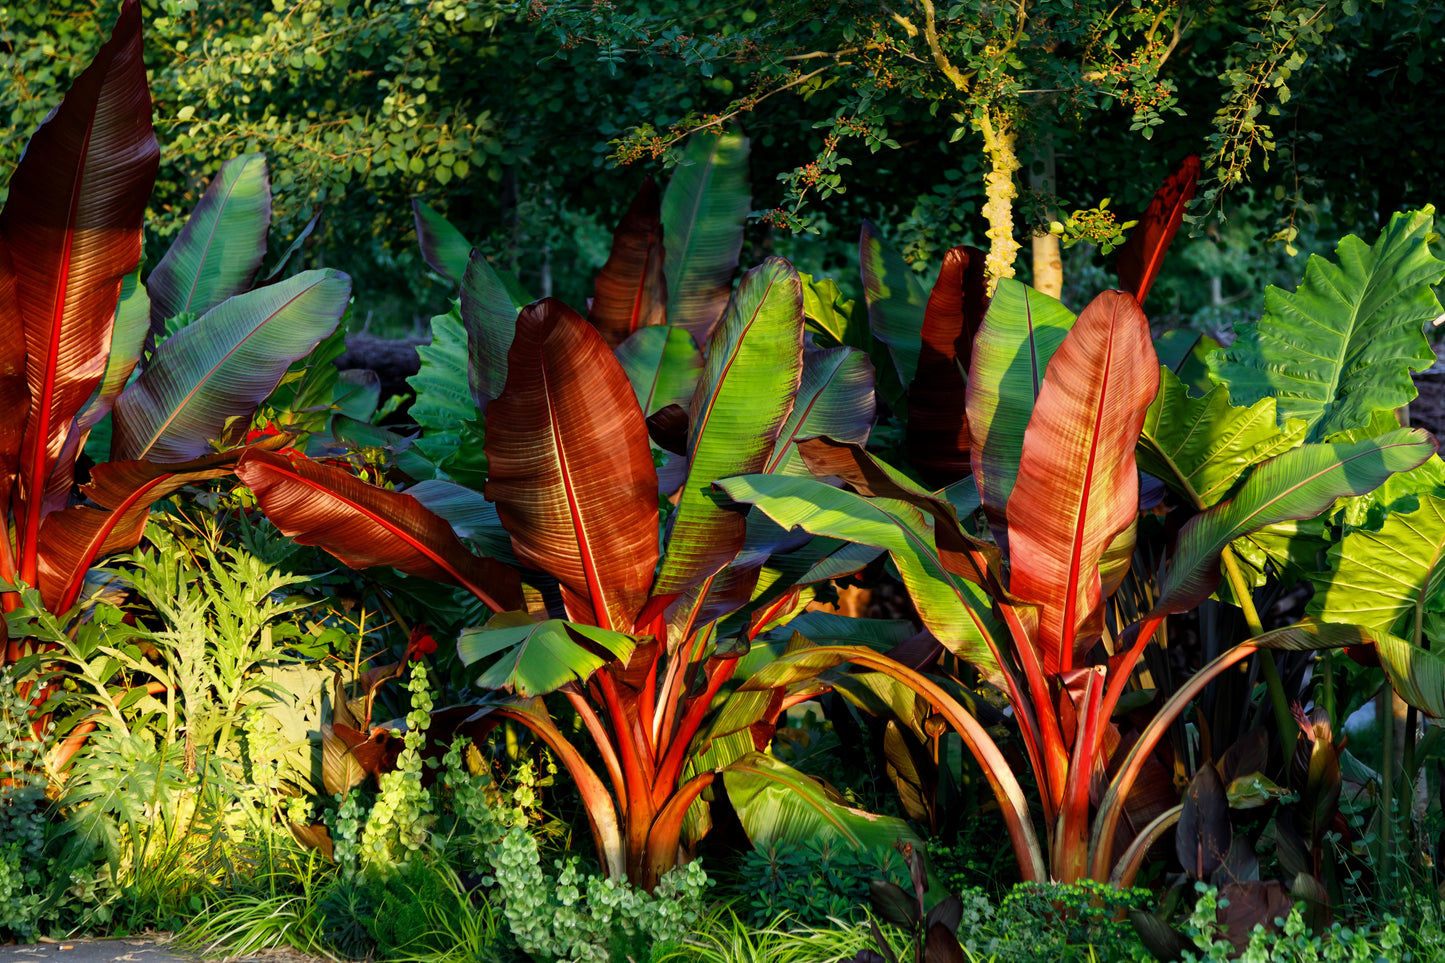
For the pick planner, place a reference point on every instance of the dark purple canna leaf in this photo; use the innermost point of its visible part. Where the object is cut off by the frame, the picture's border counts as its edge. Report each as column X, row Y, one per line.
column 443, row 247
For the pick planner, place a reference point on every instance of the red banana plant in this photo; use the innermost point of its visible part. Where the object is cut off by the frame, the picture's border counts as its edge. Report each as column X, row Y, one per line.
column 1055, row 410
column 74, row 319
column 639, row 640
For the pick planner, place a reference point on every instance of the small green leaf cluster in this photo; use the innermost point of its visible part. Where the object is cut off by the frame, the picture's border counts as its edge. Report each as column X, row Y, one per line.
column 397, row 826
column 813, row 881
column 22, row 817
column 1294, row 943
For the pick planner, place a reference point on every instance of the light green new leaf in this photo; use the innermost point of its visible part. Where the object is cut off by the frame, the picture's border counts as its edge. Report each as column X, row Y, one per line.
column 223, row 366
column 830, row 314
column 444, row 408
column 958, row 613
column 776, row 803
column 663, row 363
column 753, row 368
column 541, row 657
column 1342, row 346
column 703, row 211
column 1203, row 447
column 896, row 301
column 1299, row 484
column 1383, row 580
column 1019, row 334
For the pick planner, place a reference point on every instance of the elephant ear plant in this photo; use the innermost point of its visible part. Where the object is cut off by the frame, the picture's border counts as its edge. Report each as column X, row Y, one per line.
column 73, row 322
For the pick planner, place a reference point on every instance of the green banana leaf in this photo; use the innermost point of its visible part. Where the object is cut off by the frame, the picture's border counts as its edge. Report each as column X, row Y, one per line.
column 776, row 803
column 835, row 398
column 220, row 248
column 540, row 657
column 1298, row 484
column 488, row 310
column 443, row 247
column 896, row 301
column 1342, row 346
column 703, row 211
column 957, row 612
column 752, row 373
column 1011, row 351
column 1203, row 448
column 663, row 363
column 470, row 515
column 223, row 365
column 127, row 337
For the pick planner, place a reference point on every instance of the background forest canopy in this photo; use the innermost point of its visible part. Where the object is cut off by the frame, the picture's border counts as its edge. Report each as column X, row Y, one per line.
column 530, row 125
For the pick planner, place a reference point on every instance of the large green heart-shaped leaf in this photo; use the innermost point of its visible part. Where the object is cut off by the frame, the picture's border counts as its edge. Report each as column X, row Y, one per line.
column 703, row 211
column 1342, row 346
column 1011, row 351
column 1202, row 448
column 1077, row 489
column 751, row 375
column 1383, row 580
column 224, row 365
column 541, row 657
column 571, row 469
column 1297, row 484
column 444, row 408
column 219, row 251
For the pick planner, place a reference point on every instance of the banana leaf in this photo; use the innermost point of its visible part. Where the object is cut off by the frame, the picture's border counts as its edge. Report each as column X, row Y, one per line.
column 703, row 211
column 630, row 290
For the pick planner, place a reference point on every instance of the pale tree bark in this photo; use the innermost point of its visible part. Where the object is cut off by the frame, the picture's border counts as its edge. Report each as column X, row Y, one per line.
column 1047, row 260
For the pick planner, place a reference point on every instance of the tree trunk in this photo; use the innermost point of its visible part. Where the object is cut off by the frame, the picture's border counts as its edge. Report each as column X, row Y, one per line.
column 1048, row 262
column 999, row 187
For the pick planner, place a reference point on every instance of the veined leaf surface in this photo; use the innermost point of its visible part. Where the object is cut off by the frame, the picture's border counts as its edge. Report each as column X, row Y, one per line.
column 72, row 227
column 223, row 365
column 631, row 292
column 444, row 409
column 1020, row 333
column 542, row 657
column 896, row 302
column 703, row 211
column 571, row 469
column 489, row 313
column 220, row 248
column 938, row 439
column 443, row 247
column 1143, row 253
column 128, row 335
column 1202, row 447
column 753, row 367
column 1341, row 347
column 835, row 399
column 1077, row 486
column 1298, row 484
column 663, row 363
column 363, row 525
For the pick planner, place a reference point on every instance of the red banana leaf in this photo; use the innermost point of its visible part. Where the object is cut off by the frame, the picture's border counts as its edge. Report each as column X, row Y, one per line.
column 937, row 418
column 631, row 291
column 753, row 369
column 72, row 225
column 1143, row 252
column 219, row 251
column 1077, row 486
column 72, row 540
column 14, row 397
column 570, row 468
column 363, row 525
